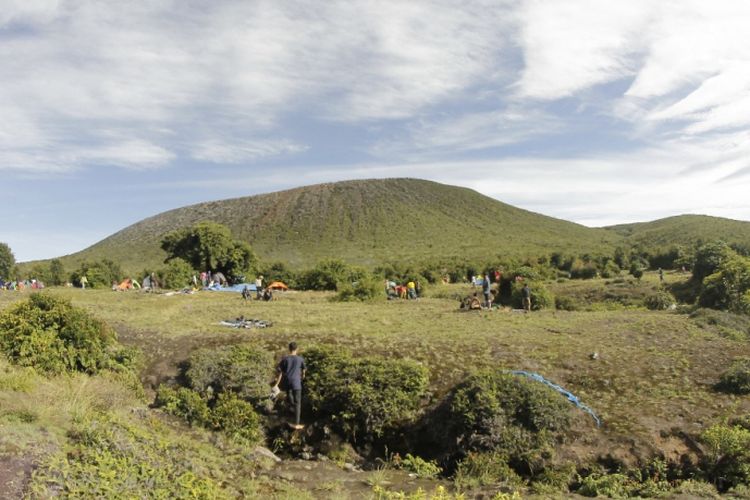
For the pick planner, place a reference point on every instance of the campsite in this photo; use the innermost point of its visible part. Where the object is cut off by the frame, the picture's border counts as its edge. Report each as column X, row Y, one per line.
column 602, row 363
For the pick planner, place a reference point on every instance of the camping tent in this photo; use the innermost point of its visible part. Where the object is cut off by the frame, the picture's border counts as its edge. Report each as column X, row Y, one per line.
column 278, row 285
column 126, row 284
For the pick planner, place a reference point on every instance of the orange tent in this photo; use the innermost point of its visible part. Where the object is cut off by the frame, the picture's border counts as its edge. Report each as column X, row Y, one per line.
column 126, row 284
column 278, row 285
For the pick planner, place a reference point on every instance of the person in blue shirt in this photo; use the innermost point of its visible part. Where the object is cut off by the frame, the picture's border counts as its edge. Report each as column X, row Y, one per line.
column 290, row 373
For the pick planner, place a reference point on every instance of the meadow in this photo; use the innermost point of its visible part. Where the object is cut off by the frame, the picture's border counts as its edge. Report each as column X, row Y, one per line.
column 649, row 375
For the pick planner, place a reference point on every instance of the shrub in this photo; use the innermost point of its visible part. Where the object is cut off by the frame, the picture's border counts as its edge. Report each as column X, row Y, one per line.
column 565, row 303
column 736, row 378
column 242, row 369
column 184, row 403
column 499, row 412
column 418, row 466
column 484, row 469
column 177, row 274
column 366, row 288
column 237, row 419
column 611, row 270
column 363, row 397
column 541, row 298
column 326, row 275
column 581, row 270
column 730, row 325
column 99, row 274
column 727, row 457
column 729, row 287
column 51, row 335
column 659, row 301
column 608, row 485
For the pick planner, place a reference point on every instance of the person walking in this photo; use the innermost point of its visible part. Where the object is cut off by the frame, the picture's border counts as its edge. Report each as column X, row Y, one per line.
column 526, row 297
column 259, row 287
column 486, row 291
column 290, row 373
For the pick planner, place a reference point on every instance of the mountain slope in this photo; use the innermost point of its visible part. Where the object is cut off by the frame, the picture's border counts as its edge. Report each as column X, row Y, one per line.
column 365, row 222
column 685, row 230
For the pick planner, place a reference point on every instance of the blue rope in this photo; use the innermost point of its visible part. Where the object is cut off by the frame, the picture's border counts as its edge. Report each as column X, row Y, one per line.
column 570, row 396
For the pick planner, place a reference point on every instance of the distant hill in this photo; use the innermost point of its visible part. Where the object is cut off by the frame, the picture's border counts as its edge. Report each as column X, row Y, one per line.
column 685, row 230
column 365, row 222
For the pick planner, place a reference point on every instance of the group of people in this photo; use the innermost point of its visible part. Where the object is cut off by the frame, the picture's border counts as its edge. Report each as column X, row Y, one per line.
column 412, row 290
column 485, row 282
column 21, row 284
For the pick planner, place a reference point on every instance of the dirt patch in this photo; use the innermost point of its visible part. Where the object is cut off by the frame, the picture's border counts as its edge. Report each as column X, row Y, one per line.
column 15, row 473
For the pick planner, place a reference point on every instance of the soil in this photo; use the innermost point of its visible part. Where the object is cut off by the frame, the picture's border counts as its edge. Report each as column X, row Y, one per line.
column 15, row 473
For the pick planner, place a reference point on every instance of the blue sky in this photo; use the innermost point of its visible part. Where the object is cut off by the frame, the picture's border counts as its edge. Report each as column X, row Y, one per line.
column 596, row 112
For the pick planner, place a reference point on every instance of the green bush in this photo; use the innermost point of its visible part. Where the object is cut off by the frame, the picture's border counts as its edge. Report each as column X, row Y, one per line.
column 109, row 458
column 243, row 369
column 729, row 287
column 729, row 324
column 498, row 412
column 237, row 419
column 659, row 301
column 608, row 485
column 541, row 297
column 611, row 270
column 736, row 378
column 565, row 303
column 99, row 274
column 177, row 274
column 727, row 455
column 184, row 403
column 366, row 288
column 583, row 270
column 363, row 397
column 326, row 275
column 418, row 466
column 484, row 469
column 52, row 336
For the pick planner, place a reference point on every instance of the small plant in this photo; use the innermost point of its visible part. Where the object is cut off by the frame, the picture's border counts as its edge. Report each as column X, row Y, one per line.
column 736, row 378
column 659, row 301
column 608, row 485
column 483, row 469
column 541, row 298
column 184, row 403
column 237, row 419
column 419, row 466
column 727, row 459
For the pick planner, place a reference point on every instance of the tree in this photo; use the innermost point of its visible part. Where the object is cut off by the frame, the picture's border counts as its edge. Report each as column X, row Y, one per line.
column 729, row 287
column 7, row 261
column 56, row 273
column 209, row 246
column 708, row 259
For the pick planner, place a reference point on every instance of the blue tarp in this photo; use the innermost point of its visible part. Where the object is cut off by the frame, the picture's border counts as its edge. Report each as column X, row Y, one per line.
column 572, row 398
column 233, row 288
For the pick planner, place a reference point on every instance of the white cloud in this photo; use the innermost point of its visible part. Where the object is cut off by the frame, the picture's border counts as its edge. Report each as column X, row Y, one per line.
column 219, row 151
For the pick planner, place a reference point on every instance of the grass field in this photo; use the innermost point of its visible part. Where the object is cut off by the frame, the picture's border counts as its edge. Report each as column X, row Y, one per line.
column 651, row 382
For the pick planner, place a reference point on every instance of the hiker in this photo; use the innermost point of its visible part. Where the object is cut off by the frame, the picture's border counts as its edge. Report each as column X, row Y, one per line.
column 474, row 303
column 290, row 372
column 661, row 275
column 245, row 293
column 267, row 295
column 204, row 279
column 526, row 297
column 411, row 289
column 418, row 289
column 486, row 291
column 259, row 287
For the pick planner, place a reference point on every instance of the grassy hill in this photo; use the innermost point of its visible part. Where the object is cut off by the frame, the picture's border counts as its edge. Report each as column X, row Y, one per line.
column 365, row 222
column 685, row 230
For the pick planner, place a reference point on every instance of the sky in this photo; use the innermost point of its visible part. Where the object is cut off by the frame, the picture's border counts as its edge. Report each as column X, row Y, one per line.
column 591, row 111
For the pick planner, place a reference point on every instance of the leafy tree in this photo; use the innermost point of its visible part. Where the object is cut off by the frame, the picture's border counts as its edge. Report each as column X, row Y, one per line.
column 7, row 260
column 177, row 274
column 56, row 273
column 708, row 258
column 99, row 274
column 729, row 287
column 210, row 246
column 326, row 275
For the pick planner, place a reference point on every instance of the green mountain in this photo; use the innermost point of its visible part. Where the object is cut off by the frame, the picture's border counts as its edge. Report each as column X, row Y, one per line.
column 685, row 230
column 365, row 222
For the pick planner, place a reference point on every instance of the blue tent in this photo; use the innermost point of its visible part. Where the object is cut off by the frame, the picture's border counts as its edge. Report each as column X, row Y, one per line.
column 234, row 288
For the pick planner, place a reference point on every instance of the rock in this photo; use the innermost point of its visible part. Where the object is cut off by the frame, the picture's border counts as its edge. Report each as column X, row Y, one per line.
column 262, row 452
column 349, row 467
column 594, row 355
column 305, row 456
column 322, row 458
